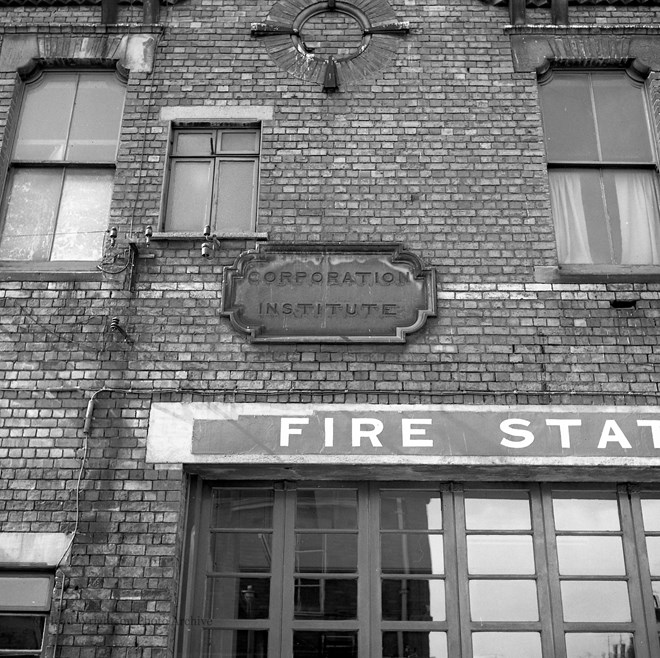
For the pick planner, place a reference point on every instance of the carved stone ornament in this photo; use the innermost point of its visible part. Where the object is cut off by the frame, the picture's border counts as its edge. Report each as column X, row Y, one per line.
column 328, row 293
column 370, row 34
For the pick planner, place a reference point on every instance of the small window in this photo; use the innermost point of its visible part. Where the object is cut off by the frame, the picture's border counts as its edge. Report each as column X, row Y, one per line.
column 24, row 606
column 602, row 168
column 213, row 179
column 56, row 203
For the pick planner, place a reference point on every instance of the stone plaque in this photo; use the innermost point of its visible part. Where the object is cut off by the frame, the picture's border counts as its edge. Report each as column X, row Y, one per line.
column 328, row 293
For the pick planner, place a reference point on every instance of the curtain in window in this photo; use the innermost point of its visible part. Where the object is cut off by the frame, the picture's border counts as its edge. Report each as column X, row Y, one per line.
column 639, row 218
column 570, row 219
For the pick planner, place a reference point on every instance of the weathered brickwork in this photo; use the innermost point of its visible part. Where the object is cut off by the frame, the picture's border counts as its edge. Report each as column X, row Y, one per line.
column 442, row 151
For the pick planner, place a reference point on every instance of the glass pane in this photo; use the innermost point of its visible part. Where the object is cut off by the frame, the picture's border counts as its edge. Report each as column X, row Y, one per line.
column 595, row 601
column 239, row 141
column 410, row 510
column 195, row 143
column 242, row 508
column 608, row 645
column 241, row 551
column 326, row 553
column 44, row 118
column 236, row 644
column 325, row 598
column 506, row 645
column 651, row 514
column 656, row 598
column 237, row 188
column 490, row 511
column 325, row 644
column 25, row 592
column 576, row 513
column 622, row 123
column 503, row 600
column 84, row 214
column 408, row 553
column 96, row 120
column 653, row 550
column 568, row 121
column 21, row 631
column 189, row 195
column 415, row 645
column 500, row 554
column 591, row 556
column 326, row 509
column 413, row 600
column 239, row 598
column 30, row 211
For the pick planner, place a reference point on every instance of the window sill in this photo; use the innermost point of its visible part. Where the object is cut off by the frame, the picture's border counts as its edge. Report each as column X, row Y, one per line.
column 597, row 274
column 192, row 235
column 53, row 271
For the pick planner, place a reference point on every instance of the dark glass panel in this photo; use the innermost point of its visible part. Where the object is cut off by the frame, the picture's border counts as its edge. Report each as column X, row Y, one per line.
column 326, row 509
column 595, row 601
column 325, row 598
column 194, row 143
column 414, row 645
column 503, row 600
column 413, row 600
column 236, row 644
column 242, row 508
column 408, row 553
column 410, row 510
column 600, row 645
column 493, row 511
column 236, row 195
column 574, row 512
column 500, row 554
column 506, row 645
column 326, row 553
column 239, row 141
column 21, row 632
column 239, row 598
column 189, row 195
column 241, row 551
column 325, row 644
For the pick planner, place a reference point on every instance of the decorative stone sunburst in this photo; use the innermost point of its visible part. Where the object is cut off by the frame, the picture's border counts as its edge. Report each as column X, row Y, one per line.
column 331, row 42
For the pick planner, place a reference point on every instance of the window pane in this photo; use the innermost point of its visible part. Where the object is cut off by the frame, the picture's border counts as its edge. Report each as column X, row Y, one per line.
column 239, row 141
column 595, row 601
column 236, row 644
column 241, row 551
column 84, row 214
column 30, row 211
column 325, row 598
column 413, row 600
column 195, row 143
column 21, row 631
column 239, row 598
column 237, row 186
column 500, row 554
column 610, row 645
column 415, row 645
column 653, row 550
column 569, row 127
column 96, row 118
column 622, row 123
column 326, row 509
column 45, row 116
column 326, row 553
column 189, row 195
column 506, row 645
column 487, row 511
column 651, row 514
column 325, row 644
column 412, row 553
column 576, row 513
column 242, row 508
column 410, row 510
column 591, row 556
column 503, row 600
column 20, row 592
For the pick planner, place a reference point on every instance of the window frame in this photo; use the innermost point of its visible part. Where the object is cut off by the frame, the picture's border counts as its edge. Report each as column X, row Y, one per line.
column 601, row 165
column 217, row 127
column 63, row 165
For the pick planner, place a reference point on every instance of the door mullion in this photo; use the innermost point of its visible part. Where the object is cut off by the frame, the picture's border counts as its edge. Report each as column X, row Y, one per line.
column 452, row 595
column 283, row 629
column 465, row 637
column 369, row 569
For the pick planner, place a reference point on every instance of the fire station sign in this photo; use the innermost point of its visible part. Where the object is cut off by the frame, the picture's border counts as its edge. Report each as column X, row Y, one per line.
column 328, row 293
